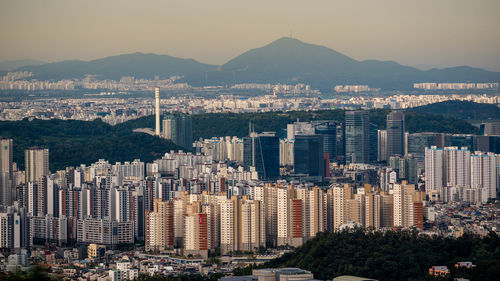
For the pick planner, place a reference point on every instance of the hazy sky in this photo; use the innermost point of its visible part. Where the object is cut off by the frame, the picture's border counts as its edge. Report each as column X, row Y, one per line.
column 411, row 32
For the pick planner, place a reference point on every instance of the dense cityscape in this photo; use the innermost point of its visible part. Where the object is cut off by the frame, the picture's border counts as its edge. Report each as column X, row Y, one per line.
column 250, row 140
column 230, row 195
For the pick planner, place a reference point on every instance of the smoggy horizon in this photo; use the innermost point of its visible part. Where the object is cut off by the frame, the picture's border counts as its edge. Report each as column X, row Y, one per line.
column 424, row 34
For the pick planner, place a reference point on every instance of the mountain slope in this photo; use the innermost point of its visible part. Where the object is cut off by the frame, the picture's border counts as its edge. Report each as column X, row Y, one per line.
column 209, row 125
column 288, row 60
column 289, row 56
column 461, row 110
column 13, row 64
column 139, row 65
column 72, row 142
column 285, row 60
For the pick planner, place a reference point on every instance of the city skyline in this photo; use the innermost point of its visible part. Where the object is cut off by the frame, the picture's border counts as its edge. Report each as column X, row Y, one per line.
column 249, row 140
column 391, row 30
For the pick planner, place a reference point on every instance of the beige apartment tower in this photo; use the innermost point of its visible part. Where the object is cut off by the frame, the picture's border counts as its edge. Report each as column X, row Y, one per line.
column 36, row 163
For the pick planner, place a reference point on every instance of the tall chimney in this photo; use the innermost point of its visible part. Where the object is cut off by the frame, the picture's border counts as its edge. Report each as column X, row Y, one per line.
column 157, row 99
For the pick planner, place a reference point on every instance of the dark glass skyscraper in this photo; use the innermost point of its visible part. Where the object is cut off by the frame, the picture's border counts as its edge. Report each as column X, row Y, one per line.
column 185, row 131
column 373, row 142
column 262, row 152
column 308, row 155
column 178, row 128
column 357, row 136
column 395, row 126
column 328, row 129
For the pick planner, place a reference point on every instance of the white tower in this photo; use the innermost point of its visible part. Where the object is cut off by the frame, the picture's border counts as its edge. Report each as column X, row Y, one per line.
column 157, row 99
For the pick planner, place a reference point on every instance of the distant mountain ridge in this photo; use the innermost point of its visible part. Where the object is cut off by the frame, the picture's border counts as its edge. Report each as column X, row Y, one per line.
column 14, row 64
column 285, row 60
column 139, row 65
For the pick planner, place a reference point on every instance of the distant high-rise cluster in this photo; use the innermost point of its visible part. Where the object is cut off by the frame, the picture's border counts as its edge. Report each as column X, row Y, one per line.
column 456, row 174
column 455, row 86
column 275, row 215
column 245, row 193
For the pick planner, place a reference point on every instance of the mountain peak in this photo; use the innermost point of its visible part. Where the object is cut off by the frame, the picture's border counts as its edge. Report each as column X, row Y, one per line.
column 287, row 40
column 290, row 42
column 286, row 54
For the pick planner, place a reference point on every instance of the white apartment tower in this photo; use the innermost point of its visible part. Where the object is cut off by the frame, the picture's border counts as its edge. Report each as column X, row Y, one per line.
column 483, row 175
column 283, row 229
column 228, row 225
column 340, row 213
column 457, row 166
column 434, row 169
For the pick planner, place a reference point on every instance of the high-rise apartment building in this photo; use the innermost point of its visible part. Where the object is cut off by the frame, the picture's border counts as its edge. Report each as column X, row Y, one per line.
column 159, row 226
column 286, row 152
column 251, row 225
column 372, row 210
column 408, row 208
column 36, row 163
column 340, row 211
column 357, row 136
column 434, row 170
column 457, row 165
column 268, row 195
column 197, row 231
column 6, row 155
column 483, row 175
column 229, row 225
column 6, row 182
column 382, row 145
column 456, row 174
column 387, row 210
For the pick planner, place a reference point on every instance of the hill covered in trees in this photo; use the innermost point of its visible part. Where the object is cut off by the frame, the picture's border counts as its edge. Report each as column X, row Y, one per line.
column 236, row 124
column 461, row 110
column 393, row 255
column 73, row 142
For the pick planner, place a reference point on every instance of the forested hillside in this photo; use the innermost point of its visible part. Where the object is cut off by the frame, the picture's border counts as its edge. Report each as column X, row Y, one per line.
column 72, row 142
column 236, row 124
column 461, row 110
column 393, row 255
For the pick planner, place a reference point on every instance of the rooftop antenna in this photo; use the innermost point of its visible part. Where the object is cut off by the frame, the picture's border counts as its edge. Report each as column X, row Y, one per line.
column 291, row 34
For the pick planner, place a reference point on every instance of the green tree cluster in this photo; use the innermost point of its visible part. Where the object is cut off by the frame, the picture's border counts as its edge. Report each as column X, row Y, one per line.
column 236, row 124
column 393, row 255
column 72, row 142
